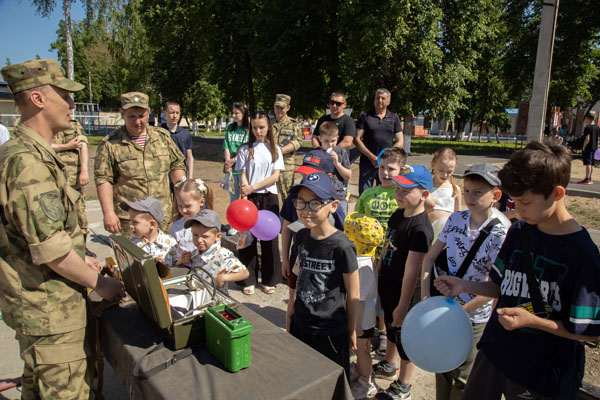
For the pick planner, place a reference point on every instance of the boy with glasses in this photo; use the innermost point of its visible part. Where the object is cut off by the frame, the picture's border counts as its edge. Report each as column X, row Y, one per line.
column 345, row 123
column 327, row 292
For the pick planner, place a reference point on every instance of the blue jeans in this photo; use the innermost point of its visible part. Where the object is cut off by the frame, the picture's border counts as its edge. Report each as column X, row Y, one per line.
column 237, row 181
column 367, row 175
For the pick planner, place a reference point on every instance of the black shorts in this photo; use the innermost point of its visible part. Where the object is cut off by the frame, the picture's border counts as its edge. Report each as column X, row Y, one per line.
column 588, row 157
column 367, row 334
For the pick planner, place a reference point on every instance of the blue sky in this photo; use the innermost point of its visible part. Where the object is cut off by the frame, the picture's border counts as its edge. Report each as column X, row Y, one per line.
column 23, row 33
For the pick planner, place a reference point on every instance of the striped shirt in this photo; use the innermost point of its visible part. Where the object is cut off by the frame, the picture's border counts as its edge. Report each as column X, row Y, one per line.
column 140, row 140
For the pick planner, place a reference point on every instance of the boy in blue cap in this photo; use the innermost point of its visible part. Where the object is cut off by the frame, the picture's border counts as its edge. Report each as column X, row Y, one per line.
column 409, row 237
column 327, row 290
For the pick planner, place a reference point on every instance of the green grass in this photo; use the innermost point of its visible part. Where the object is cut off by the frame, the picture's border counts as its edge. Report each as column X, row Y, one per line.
column 429, row 146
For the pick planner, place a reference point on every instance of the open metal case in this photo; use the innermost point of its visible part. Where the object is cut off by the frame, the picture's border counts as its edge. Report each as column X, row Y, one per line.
column 176, row 305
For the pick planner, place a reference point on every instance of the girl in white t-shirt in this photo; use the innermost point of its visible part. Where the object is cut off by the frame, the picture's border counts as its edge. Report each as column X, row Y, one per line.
column 192, row 196
column 446, row 196
column 260, row 162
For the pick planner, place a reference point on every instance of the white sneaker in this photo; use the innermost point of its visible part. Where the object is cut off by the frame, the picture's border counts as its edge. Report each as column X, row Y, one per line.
column 232, row 232
column 363, row 389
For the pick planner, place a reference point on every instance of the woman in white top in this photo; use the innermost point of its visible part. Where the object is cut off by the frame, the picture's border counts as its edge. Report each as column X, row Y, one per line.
column 446, row 195
column 260, row 162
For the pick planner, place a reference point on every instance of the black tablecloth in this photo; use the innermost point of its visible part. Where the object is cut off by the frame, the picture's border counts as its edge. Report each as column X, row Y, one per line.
column 282, row 367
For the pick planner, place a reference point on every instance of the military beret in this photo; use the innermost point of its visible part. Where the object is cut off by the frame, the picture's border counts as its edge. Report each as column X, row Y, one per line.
column 35, row 73
column 134, row 99
column 282, row 100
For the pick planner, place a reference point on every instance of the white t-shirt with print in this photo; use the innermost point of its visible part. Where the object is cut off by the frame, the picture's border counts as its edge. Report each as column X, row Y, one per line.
column 459, row 239
column 260, row 167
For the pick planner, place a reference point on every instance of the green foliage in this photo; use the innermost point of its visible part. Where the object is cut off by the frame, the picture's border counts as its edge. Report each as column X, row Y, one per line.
column 429, row 146
column 203, row 101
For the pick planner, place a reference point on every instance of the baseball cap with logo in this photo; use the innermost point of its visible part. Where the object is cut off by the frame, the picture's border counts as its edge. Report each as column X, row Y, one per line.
column 317, row 160
column 134, row 99
column 319, row 183
column 413, row 176
column 146, row 204
column 207, row 218
column 34, row 73
column 487, row 171
column 282, row 100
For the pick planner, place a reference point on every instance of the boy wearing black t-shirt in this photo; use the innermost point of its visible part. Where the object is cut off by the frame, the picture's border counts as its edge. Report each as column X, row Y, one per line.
column 327, row 290
column 530, row 351
column 409, row 236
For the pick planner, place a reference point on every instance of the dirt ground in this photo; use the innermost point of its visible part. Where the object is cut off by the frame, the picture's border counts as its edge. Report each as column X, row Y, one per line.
column 208, row 166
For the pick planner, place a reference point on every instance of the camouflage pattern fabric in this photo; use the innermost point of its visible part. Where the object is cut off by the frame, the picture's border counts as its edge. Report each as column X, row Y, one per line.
column 287, row 131
column 35, row 73
column 72, row 167
column 135, row 173
column 69, row 377
column 39, row 225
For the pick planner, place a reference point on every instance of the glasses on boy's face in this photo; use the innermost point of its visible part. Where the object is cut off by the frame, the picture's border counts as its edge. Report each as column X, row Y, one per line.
column 313, row 205
column 337, row 103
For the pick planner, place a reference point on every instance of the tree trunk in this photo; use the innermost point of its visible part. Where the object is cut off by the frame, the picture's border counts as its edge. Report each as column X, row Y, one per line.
column 407, row 132
column 252, row 103
column 68, row 38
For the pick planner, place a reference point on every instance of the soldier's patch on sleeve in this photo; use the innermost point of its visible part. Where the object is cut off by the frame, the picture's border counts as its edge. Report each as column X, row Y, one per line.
column 52, row 206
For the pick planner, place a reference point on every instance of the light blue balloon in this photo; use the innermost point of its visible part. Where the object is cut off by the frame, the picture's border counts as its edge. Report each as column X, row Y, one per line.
column 437, row 335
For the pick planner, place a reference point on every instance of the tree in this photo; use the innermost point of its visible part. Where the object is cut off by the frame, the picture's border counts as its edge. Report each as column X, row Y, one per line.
column 45, row 8
column 203, row 101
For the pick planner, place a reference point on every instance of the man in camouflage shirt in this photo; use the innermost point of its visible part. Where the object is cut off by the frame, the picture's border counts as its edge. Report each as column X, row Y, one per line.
column 43, row 274
column 71, row 144
column 133, row 162
column 288, row 136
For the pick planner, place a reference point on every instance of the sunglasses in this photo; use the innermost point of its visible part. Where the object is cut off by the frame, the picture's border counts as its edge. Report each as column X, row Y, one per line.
column 313, row 205
column 337, row 103
column 238, row 104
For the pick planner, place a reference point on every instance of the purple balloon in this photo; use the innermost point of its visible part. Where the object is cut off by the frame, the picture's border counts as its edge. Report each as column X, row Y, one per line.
column 267, row 226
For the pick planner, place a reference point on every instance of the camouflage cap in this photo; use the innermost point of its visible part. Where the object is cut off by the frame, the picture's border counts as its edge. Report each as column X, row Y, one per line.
column 34, row 73
column 134, row 99
column 282, row 100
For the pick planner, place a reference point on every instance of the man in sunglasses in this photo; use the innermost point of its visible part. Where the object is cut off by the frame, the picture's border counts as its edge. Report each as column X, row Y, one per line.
column 288, row 135
column 345, row 123
column 375, row 130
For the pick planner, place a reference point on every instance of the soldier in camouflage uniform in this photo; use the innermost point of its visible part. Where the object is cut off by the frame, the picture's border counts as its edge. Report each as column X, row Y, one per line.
column 43, row 274
column 71, row 146
column 288, row 135
column 133, row 162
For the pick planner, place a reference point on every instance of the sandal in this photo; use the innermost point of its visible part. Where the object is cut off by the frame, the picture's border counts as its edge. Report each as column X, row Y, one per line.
column 248, row 290
column 268, row 289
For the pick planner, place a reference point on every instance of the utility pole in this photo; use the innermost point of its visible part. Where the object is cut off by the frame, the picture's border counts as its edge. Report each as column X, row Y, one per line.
column 543, row 66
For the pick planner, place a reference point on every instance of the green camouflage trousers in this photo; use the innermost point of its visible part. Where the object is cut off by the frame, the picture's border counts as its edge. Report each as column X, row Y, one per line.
column 286, row 177
column 56, row 366
column 81, row 217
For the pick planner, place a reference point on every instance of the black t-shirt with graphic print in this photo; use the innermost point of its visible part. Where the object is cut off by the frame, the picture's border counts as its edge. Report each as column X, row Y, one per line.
column 320, row 291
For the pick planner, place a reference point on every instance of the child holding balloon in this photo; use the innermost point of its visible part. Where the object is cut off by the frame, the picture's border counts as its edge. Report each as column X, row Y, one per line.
column 260, row 162
column 409, row 237
column 472, row 240
column 547, row 282
column 192, row 196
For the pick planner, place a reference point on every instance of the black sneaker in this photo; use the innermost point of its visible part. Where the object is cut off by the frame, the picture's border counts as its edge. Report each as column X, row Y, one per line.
column 385, row 370
column 396, row 391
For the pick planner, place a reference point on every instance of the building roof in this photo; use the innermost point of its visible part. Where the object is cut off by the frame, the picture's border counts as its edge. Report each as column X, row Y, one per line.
column 5, row 93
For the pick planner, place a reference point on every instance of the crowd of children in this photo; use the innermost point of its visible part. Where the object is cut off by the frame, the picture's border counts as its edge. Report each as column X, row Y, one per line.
column 353, row 278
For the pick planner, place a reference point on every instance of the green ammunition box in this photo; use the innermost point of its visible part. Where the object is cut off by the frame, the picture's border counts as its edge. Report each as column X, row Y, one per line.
column 228, row 337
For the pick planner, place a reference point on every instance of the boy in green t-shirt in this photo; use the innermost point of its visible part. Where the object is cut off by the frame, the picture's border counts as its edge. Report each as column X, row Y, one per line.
column 379, row 202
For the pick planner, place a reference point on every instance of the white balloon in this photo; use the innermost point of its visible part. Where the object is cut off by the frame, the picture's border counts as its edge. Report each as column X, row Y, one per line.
column 437, row 335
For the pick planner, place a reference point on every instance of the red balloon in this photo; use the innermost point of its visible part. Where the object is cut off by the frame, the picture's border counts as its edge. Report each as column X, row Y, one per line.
column 242, row 215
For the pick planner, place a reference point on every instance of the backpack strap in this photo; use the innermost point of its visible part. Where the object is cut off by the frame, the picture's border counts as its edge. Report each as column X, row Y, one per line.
column 483, row 234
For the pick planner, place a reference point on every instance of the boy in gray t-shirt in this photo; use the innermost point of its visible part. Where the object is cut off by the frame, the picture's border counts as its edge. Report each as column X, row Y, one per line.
column 328, row 135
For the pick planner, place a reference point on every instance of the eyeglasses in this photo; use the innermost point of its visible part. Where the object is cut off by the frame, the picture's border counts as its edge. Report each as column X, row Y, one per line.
column 337, row 103
column 313, row 205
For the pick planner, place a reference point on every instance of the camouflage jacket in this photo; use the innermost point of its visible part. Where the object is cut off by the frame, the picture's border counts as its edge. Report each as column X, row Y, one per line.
column 136, row 173
column 71, row 157
column 39, row 225
column 288, row 131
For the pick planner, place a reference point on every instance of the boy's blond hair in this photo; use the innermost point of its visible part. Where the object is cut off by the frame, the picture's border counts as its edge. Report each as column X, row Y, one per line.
column 328, row 128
